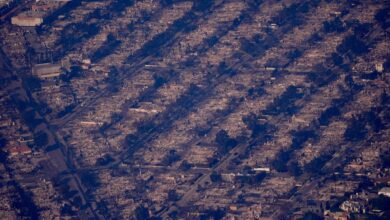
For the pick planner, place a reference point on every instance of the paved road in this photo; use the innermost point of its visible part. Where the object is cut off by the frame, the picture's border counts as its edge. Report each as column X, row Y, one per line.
column 140, row 64
column 56, row 158
column 23, row 4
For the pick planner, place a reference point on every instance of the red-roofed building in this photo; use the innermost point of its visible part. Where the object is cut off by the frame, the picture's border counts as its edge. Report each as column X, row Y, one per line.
column 18, row 150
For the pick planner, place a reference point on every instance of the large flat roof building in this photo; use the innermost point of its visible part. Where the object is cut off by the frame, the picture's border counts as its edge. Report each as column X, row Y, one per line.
column 46, row 70
column 28, row 19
